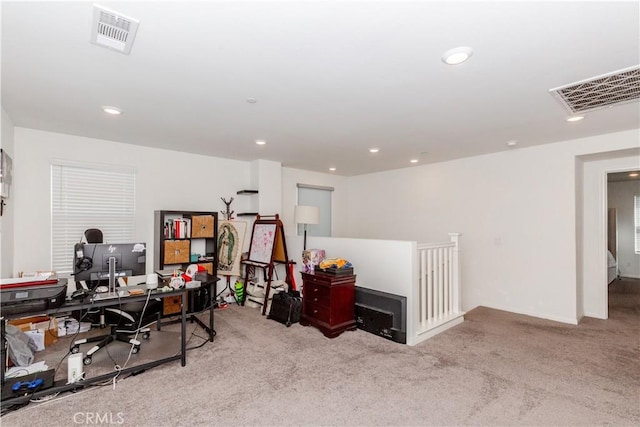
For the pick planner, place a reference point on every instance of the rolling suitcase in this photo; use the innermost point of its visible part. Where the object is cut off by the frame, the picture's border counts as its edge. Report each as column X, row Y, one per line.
column 286, row 307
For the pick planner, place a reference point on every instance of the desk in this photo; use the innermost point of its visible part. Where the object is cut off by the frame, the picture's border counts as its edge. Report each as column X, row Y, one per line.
column 208, row 283
column 68, row 306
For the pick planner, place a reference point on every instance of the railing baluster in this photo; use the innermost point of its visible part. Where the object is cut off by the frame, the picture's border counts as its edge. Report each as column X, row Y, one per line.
column 423, row 286
column 440, row 285
column 439, row 291
column 429, row 286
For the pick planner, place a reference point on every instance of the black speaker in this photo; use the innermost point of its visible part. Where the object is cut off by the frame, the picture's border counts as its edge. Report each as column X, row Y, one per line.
column 201, row 299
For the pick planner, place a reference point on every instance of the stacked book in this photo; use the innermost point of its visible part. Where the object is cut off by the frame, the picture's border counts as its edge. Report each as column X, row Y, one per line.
column 178, row 228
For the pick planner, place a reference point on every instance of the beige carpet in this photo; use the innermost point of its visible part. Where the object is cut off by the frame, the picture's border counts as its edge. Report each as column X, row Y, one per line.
column 496, row 368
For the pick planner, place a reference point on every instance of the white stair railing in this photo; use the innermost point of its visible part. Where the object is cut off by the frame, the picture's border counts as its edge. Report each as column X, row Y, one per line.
column 439, row 276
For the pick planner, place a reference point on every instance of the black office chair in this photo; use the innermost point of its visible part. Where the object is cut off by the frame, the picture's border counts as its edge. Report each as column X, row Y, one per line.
column 129, row 318
column 125, row 320
column 93, row 235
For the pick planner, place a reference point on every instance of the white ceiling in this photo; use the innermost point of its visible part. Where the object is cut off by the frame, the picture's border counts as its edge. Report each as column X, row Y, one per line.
column 331, row 78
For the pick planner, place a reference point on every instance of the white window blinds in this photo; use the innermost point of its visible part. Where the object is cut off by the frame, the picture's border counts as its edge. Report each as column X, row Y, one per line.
column 637, row 222
column 311, row 195
column 87, row 197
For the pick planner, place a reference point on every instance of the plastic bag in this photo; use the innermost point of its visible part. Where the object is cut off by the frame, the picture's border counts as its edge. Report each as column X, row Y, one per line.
column 20, row 347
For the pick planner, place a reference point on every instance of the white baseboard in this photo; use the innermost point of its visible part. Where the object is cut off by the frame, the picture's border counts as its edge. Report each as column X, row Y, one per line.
column 438, row 329
column 569, row 320
column 595, row 316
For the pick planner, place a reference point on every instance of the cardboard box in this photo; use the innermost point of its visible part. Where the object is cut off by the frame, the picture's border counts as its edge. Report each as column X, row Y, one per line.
column 46, row 325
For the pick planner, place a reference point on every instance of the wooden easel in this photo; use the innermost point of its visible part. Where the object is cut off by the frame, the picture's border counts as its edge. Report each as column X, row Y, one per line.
column 267, row 248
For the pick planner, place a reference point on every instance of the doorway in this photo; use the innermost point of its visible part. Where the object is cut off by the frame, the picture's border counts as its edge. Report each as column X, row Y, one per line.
column 592, row 222
column 623, row 229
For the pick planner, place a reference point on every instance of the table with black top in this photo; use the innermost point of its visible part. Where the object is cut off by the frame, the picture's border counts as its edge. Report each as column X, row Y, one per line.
column 207, row 287
column 75, row 305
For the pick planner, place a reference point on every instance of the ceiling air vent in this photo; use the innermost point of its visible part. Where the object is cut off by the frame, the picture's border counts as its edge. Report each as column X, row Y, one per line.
column 113, row 30
column 615, row 88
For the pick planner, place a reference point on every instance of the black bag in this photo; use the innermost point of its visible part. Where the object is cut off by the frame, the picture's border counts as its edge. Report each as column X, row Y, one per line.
column 286, row 307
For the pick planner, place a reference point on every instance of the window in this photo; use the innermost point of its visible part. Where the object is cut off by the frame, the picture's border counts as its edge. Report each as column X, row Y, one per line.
column 85, row 197
column 636, row 200
column 312, row 195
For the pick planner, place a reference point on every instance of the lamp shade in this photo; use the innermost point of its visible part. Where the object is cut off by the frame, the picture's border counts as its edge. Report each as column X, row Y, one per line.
column 307, row 214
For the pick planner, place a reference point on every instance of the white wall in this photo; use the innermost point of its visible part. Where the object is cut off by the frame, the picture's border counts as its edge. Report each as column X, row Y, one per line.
column 165, row 180
column 7, row 219
column 621, row 197
column 519, row 210
column 269, row 184
column 516, row 210
column 383, row 265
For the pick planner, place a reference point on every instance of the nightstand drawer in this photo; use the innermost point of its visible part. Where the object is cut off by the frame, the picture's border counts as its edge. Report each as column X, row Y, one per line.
column 316, row 279
column 316, row 293
column 316, row 311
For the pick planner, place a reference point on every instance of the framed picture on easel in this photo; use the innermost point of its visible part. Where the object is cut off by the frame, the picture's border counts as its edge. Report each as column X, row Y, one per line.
column 230, row 243
column 6, row 173
column 262, row 241
column 267, row 248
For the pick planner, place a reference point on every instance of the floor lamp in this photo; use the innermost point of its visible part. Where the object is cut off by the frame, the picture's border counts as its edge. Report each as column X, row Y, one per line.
column 306, row 215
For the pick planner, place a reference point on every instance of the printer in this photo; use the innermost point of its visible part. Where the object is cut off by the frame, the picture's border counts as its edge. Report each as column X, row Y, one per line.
column 31, row 295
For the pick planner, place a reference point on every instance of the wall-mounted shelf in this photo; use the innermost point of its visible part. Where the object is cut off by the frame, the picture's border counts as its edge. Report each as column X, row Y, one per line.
column 253, row 204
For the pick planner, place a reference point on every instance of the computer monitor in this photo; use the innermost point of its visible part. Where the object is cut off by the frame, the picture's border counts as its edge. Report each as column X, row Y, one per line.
column 91, row 261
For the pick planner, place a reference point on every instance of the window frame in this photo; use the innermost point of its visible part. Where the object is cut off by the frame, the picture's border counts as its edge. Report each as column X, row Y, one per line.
column 326, row 212
column 83, row 196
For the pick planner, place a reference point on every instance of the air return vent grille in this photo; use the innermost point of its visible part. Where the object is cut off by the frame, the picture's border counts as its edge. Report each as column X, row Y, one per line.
column 113, row 30
column 618, row 87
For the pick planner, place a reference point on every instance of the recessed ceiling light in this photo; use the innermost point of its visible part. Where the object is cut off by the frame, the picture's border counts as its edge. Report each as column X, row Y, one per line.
column 413, row 160
column 457, row 55
column 374, row 150
column 252, row 100
column 512, row 143
column 633, row 174
column 332, row 169
column 112, row 110
column 575, row 118
column 260, row 142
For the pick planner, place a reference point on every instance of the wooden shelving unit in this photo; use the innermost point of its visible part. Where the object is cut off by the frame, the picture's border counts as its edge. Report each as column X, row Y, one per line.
column 174, row 246
column 200, row 237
